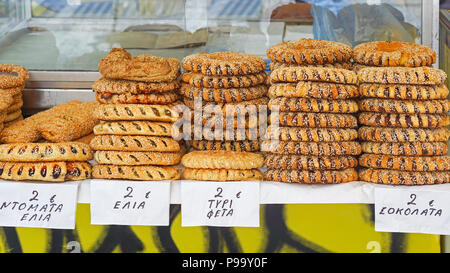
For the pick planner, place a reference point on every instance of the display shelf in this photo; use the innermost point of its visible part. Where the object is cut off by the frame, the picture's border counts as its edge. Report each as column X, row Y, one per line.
column 281, row 193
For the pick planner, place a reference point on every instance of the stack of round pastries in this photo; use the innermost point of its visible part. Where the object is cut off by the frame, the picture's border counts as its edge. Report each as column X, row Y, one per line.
column 312, row 136
column 12, row 84
column 222, row 166
column 225, row 90
column 52, row 162
column 134, row 138
column 404, row 111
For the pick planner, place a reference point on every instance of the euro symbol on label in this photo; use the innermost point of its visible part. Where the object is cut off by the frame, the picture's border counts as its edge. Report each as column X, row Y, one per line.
column 431, row 203
column 147, row 194
column 238, row 195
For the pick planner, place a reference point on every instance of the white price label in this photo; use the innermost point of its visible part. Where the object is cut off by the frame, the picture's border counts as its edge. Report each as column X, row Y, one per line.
column 130, row 202
column 223, row 204
column 44, row 205
column 412, row 211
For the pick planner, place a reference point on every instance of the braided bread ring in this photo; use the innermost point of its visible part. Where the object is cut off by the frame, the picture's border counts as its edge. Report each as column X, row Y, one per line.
column 312, row 148
column 317, row 74
column 321, row 120
column 404, row 120
column 406, row 163
column 311, row 177
column 311, row 134
column 404, row 92
column 224, row 95
column 394, row 54
column 202, row 81
column 310, row 51
column 224, row 63
column 287, row 162
column 402, row 75
column 318, row 90
column 403, row 177
column 381, row 134
column 405, row 148
column 404, row 106
column 238, row 146
column 312, row 105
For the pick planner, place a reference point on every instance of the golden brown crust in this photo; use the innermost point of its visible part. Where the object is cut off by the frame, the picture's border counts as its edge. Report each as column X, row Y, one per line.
column 404, row 106
column 222, row 160
column 143, row 128
column 345, row 65
column 13, row 91
column 320, row 120
column 15, row 107
column 148, row 173
column 202, row 81
column 85, row 139
column 222, row 175
column 27, row 130
column 223, row 95
column 234, row 134
column 10, row 81
column 25, row 152
column 405, row 92
column 120, row 112
column 129, row 98
column 104, row 85
column 45, row 171
column 405, row 163
column 392, row 177
column 405, row 148
column 313, row 105
column 381, row 134
column 311, row 177
column 136, row 158
column 5, row 102
column 229, row 109
column 73, row 123
column 224, row 63
column 402, row 75
column 9, row 123
column 238, row 146
column 394, row 53
column 404, row 120
column 78, row 171
column 288, row 162
column 13, row 115
column 239, row 121
column 312, row 148
column 318, row 90
column 134, row 143
column 316, row 74
column 119, row 64
column 310, row 51
column 311, row 134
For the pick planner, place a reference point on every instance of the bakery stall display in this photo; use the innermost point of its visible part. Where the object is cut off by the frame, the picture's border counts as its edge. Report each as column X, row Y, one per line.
column 47, row 162
column 222, row 166
column 62, row 123
column 404, row 114
column 12, row 83
column 134, row 137
column 313, row 133
column 225, row 90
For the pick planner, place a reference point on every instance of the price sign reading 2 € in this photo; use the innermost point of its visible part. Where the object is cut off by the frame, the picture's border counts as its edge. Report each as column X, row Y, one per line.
column 220, row 204
column 130, row 203
column 418, row 211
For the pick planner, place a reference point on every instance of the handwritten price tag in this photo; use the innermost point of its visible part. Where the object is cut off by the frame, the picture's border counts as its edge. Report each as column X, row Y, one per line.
column 420, row 211
column 45, row 205
column 223, row 204
column 130, row 203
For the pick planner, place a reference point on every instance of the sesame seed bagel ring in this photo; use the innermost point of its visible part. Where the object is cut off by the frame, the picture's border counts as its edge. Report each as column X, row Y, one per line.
column 9, row 81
